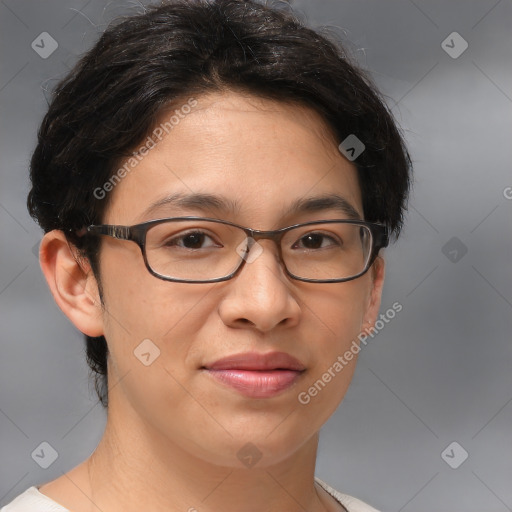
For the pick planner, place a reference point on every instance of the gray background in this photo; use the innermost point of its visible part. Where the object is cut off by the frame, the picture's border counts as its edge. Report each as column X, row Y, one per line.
column 438, row 372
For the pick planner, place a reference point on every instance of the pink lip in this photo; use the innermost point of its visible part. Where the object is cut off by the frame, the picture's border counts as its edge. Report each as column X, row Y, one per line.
column 257, row 375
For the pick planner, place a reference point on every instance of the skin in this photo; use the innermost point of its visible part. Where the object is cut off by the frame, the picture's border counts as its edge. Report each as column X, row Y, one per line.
column 173, row 433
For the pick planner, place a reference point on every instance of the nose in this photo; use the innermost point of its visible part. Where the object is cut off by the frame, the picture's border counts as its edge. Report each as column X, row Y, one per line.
column 260, row 295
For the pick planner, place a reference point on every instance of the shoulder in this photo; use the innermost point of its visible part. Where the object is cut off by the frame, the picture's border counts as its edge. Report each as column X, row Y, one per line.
column 350, row 503
column 33, row 501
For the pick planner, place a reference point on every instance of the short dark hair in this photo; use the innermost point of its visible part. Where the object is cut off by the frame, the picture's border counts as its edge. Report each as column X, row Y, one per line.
column 141, row 65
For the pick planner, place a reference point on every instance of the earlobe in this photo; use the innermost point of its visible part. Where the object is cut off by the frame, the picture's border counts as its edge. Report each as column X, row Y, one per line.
column 74, row 288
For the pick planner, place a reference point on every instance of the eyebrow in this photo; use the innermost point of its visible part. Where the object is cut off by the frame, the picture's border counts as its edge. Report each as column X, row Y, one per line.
column 322, row 203
column 219, row 204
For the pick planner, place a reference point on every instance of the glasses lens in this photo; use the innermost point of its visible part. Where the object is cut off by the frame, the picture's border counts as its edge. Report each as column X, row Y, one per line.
column 197, row 250
column 193, row 250
column 327, row 250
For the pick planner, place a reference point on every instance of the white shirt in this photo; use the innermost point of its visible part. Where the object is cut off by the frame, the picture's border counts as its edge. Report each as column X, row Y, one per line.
column 32, row 500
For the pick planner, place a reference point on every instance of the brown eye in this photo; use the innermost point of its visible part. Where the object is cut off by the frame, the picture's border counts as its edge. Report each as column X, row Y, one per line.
column 192, row 240
column 315, row 241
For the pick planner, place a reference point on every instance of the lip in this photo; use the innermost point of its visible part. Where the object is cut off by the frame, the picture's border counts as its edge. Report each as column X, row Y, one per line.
column 257, row 375
column 256, row 361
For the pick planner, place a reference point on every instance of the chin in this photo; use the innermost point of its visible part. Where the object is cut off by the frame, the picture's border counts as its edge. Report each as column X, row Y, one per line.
column 254, row 448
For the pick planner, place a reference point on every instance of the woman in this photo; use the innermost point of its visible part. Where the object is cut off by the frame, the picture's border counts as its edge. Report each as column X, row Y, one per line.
column 215, row 182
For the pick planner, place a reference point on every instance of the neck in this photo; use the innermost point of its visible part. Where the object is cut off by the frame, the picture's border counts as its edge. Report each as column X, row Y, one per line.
column 136, row 468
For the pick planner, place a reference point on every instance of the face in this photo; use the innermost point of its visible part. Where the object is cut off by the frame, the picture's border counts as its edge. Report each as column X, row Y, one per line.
column 264, row 155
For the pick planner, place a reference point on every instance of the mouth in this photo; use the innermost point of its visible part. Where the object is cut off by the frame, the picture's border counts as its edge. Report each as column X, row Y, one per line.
column 257, row 375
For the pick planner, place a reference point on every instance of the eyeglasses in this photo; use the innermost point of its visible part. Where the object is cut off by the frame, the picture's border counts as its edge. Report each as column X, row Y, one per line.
column 205, row 250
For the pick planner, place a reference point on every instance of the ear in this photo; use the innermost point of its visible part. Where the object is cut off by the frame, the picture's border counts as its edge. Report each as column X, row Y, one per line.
column 72, row 283
column 377, row 273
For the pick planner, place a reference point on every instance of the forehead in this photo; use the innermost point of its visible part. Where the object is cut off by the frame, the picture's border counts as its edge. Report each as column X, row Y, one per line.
column 260, row 157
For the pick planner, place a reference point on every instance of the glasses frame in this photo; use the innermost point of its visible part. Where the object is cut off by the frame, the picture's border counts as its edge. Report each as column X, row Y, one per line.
column 137, row 233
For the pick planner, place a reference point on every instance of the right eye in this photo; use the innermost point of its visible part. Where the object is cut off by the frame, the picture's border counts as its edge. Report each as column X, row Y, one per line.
column 191, row 240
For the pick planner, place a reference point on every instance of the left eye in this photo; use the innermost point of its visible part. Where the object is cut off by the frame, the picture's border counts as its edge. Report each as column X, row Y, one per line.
column 314, row 240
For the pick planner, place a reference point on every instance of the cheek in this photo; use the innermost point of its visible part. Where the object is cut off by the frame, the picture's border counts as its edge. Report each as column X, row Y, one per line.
column 149, row 324
column 151, row 338
column 340, row 309
column 138, row 305
column 337, row 316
